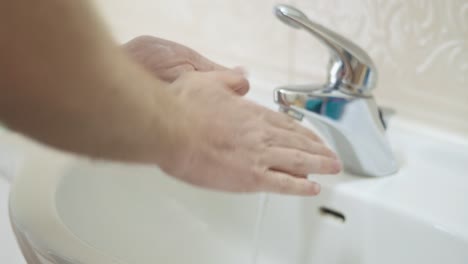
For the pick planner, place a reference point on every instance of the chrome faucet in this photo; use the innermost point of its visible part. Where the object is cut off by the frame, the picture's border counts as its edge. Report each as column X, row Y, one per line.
column 343, row 109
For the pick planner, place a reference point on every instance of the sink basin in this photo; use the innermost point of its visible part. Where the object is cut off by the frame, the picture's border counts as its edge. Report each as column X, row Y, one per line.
column 70, row 210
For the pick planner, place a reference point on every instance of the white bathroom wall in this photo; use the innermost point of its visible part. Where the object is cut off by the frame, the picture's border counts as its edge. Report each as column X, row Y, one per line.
column 420, row 47
column 229, row 32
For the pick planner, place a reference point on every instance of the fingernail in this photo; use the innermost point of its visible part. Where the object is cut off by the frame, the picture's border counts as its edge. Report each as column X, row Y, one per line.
column 241, row 70
column 333, row 154
column 336, row 166
column 316, row 188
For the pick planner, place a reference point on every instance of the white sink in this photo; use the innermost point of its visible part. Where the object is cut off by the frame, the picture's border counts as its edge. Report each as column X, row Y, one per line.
column 68, row 210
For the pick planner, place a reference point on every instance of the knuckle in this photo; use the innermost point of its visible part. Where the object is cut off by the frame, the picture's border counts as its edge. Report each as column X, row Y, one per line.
column 299, row 160
column 320, row 163
column 324, row 150
column 317, row 166
column 262, row 114
column 188, row 75
column 267, row 138
column 262, row 159
column 283, row 184
column 143, row 39
column 315, row 137
column 258, row 177
column 289, row 123
column 191, row 55
column 186, row 67
column 325, row 165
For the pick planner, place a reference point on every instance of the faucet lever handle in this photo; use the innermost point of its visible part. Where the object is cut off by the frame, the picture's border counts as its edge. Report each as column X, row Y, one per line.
column 351, row 70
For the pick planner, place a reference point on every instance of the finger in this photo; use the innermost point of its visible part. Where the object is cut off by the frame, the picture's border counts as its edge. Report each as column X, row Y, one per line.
column 203, row 64
column 288, row 123
column 234, row 80
column 173, row 73
column 241, row 70
column 297, row 162
column 286, row 139
column 279, row 182
column 242, row 89
column 301, row 176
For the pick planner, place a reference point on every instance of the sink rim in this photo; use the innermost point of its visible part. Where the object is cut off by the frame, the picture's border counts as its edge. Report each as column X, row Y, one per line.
column 27, row 204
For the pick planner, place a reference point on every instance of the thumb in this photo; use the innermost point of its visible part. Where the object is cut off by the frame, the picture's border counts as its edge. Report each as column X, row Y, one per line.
column 235, row 80
column 203, row 64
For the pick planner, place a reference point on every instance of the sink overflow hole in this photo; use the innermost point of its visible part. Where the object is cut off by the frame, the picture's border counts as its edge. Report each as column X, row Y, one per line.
column 325, row 211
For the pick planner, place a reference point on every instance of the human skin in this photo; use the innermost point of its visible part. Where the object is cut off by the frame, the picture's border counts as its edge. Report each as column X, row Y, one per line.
column 68, row 85
column 167, row 60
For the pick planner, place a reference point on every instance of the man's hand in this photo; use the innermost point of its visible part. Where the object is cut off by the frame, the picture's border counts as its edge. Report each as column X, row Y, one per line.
column 228, row 143
column 232, row 144
column 167, row 60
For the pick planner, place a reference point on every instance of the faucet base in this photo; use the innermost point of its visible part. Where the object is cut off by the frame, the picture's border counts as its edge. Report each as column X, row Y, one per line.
column 352, row 125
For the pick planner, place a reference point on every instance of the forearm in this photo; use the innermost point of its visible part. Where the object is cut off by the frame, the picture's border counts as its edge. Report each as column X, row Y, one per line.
column 64, row 82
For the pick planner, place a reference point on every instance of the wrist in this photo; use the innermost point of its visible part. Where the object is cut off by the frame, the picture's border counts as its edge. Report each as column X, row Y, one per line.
column 169, row 131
